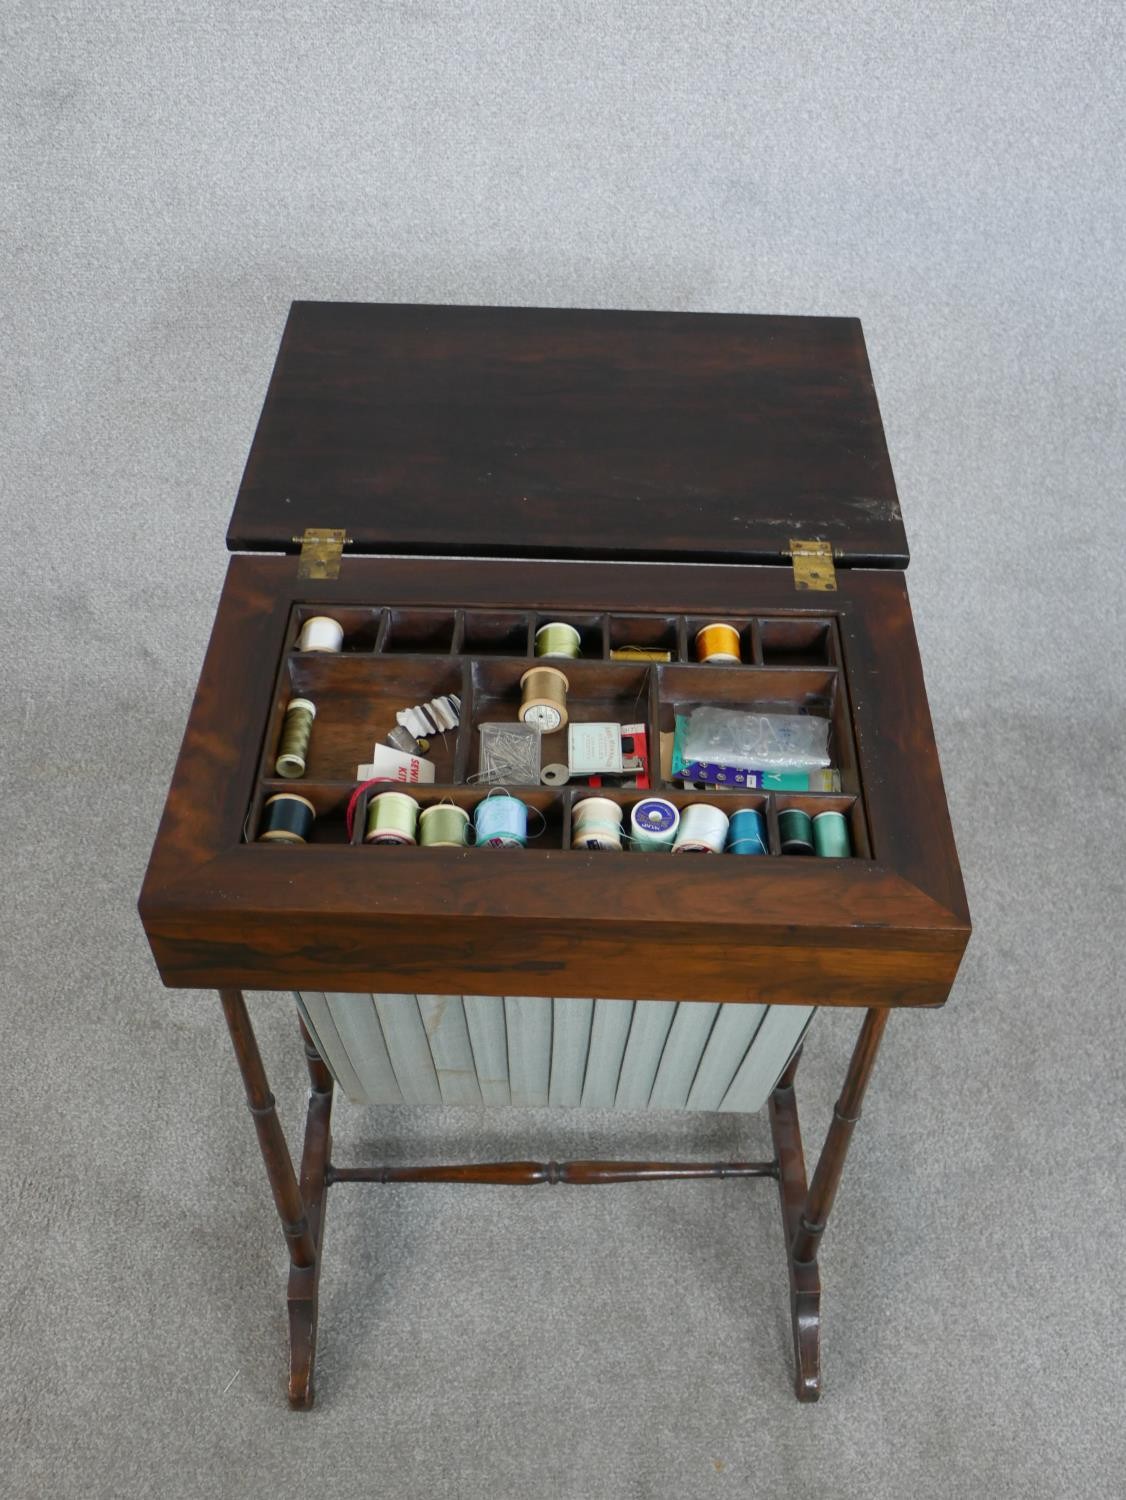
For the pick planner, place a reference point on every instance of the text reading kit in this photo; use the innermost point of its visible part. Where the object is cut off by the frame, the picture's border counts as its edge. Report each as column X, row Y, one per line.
column 526, row 605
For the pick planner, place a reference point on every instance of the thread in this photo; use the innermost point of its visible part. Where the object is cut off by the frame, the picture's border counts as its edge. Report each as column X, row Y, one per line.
column 557, row 638
column 543, row 701
column 830, row 836
column 654, row 823
column 795, row 829
column 703, row 829
column 287, row 819
column 747, row 834
column 320, row 633
column 501, row 822
column 443, row 826
column 640, row 653
column 596, row 823
column 392, row 818
column 294, row 745
column 717, row 642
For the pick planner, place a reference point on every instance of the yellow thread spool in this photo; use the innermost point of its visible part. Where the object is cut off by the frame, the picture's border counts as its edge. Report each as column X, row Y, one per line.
column 718, row 642
column 543, row 703
column 640, row 653
column 294, row 746
column 443, row 826
column 557, row 638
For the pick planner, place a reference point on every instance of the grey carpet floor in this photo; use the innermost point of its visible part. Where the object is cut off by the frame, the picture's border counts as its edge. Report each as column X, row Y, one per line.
column 173, row 176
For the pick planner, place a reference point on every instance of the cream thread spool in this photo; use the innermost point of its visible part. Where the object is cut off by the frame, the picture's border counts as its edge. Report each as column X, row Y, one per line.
column 294, row 745
column 320, row 633
column 557, row 638
column 703, row 830
column 443, row 826
column 392, row 818
column 543, row 701
column 596, row 823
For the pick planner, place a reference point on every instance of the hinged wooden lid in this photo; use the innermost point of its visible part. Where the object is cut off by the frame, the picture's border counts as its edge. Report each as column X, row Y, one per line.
column 483, row 431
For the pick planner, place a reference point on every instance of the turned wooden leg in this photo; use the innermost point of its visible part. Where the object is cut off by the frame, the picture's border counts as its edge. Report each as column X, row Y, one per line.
column 805, row 1280
column 300, row 1206
column 304, row 1281
column 846, row 1112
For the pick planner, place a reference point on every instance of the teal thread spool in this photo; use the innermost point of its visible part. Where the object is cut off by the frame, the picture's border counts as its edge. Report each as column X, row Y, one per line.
column 795, row 829
column 443, row 826
column 747, row 834
column 830, row 836
column 501, row 823
column 392, row 819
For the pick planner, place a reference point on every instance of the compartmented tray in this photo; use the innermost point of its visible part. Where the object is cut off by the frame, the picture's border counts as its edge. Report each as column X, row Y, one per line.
column 887, row 925
column 395, row 657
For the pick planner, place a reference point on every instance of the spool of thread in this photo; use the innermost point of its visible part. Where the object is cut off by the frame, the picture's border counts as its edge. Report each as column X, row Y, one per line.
column 640, row 653
column 501, row 822
column 443, row 826
column 703, row 829
column 543, row 701
column 596, row 823
column 795, row 829
column 294, row 746
column 320, row 633
column 654, row 823
column 287, row 819
column 747, row 834
column 392, row 819
column 556, row 638
column 717, row 643
column 830, row 836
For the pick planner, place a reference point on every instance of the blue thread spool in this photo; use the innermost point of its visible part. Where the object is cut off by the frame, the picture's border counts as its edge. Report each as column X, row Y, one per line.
column 501, row 823
column 747, row 834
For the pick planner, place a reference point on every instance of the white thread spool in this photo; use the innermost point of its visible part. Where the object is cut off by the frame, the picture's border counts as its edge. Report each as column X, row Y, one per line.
column 596, row 823
column 654, row 823
column 319, row 633
column 703, row 830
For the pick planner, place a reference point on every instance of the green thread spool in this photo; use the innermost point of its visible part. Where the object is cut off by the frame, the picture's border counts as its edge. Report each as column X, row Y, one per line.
column 557, row 638
column 795, row 829
column 830, row 836
column 294, row 746
column 392, row 818
column 443, row 826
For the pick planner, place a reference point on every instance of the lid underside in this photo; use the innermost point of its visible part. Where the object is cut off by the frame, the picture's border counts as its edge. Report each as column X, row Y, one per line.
column 480, row 431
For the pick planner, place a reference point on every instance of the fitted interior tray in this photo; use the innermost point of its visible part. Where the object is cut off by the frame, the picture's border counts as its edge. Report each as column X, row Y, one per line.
column 886, row 923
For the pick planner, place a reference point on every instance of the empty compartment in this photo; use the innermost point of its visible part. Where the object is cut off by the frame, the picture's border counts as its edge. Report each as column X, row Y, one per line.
column 645, row 633
column 591, row 630
column 425, row 631
column 797, row 642
column 597, row 693
column 716, row 642
column 496, row 633
column 360, row 626
column 356, row 701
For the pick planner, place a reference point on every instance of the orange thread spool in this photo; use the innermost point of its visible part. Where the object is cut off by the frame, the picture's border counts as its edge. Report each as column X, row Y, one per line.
column 718, row 643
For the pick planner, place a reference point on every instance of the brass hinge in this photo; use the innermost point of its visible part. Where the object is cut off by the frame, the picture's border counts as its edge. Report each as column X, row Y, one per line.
column 320, row 552
column 813, row 565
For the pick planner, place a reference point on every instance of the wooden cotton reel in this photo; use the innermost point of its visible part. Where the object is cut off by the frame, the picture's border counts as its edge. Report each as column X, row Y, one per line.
column 543, row 701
